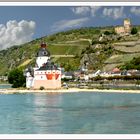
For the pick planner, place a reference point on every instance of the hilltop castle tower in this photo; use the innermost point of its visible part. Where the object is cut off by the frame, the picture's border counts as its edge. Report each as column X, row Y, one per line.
column 125, row 29
column 46, row 74
column 127, row 25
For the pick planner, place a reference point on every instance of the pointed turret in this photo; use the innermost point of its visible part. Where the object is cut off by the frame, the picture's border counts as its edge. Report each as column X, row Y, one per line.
column 43, row 55
column 43, row 50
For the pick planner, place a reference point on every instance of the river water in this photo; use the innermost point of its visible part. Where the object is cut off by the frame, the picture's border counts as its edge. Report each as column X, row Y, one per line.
column 5, row 86
column 70, row 113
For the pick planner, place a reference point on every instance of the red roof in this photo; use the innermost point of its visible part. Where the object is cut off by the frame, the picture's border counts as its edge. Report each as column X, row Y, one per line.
column 116, row 70
column 43, row 45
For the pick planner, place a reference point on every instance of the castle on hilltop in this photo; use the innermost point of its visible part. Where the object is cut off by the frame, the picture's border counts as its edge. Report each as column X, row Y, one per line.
column 125, row 29
column 45, row 74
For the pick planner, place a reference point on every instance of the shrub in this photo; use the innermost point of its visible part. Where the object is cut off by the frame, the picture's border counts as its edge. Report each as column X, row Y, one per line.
column 107, row 33
column 16, row 78
column 97, row 78
column 134, row 31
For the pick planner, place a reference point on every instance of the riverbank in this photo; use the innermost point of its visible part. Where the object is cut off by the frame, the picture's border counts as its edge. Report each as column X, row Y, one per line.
column 70, row 90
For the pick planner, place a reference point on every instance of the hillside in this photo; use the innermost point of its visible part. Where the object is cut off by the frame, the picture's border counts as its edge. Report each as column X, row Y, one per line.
column 73, row 48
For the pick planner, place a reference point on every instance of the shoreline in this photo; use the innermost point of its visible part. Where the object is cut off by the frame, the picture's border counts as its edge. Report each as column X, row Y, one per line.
column 59, row 91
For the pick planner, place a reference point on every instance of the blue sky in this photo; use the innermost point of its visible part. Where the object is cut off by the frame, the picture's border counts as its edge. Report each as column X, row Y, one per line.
column 37, row 21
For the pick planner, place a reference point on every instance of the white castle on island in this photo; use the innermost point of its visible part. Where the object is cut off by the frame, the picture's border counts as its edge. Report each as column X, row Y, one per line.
column 45, row 74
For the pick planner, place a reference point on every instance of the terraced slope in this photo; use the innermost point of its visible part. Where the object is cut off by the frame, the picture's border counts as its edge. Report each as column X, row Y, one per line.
column 128, row 46
column 73, row 48
column 128, row 50
column 65, row 43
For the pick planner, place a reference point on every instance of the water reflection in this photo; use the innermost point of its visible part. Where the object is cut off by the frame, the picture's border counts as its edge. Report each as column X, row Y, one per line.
column 70, row 113
column 47, row 114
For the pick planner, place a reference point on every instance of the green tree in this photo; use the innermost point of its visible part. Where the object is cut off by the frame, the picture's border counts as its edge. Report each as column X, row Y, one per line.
column 97, row 78
column 133, row 64
column 16, row 78
column 134, row 31
column 107, row 33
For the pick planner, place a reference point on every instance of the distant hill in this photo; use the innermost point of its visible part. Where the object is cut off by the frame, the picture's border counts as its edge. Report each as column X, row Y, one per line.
column 73, row 48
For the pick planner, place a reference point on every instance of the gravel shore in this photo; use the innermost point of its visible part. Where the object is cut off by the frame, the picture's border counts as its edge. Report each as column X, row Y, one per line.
column 13, row 91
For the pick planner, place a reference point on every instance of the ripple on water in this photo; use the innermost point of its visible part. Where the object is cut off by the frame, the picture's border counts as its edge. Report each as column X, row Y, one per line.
column 70, row 113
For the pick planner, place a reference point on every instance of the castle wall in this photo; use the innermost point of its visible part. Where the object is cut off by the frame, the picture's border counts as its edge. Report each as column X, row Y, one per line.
column 29, row 82
column 120, row 30
column 49, row 79
column 47, row 84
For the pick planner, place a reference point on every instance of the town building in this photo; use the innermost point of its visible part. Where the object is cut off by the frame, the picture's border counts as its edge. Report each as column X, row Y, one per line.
column 3, row 78
column 45, row 74
column 125, row 29
column 67, row 75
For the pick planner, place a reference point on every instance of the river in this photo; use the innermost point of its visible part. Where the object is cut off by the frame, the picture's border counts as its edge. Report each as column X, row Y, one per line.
column 70, row 113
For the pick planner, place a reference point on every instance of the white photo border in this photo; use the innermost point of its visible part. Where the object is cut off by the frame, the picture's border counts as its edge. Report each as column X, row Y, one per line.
column 70, row 136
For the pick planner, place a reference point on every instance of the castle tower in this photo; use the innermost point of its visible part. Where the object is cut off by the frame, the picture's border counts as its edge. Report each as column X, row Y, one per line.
column 127, row 25
column 46, row 74
column 43, row 55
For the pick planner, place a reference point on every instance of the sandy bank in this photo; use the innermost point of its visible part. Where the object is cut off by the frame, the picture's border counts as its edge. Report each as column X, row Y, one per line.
column 13, row 91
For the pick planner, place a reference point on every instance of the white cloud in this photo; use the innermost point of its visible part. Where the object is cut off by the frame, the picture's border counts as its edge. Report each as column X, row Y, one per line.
column 94, row 9
column 67, row 24
column 84, row 10
column 135, row 11
column 114, row 12
column 81, row 10
column 15, row 33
